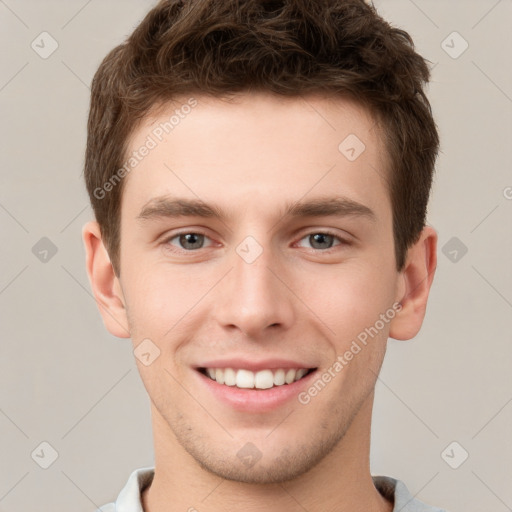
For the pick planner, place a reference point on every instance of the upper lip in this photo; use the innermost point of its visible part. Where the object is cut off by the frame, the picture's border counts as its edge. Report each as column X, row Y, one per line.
column 246, row 364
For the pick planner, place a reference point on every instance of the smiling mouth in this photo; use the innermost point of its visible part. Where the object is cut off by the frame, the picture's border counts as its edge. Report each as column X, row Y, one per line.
column 263, row 379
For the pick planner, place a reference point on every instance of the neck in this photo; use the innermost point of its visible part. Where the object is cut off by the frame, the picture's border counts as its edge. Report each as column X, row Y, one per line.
column 340, row 482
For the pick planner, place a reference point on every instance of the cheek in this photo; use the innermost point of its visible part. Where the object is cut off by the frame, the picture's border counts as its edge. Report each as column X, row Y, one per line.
column 350, row 298
column 160, row 299
column 356, row 305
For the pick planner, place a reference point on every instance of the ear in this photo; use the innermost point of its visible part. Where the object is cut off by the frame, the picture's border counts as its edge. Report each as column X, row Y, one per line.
column 414, row 285
column 104, row 283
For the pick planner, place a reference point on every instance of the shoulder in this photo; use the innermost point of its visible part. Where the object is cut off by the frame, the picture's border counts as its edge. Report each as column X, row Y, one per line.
column 109, row 507
column 396, row 491
column 129, row 499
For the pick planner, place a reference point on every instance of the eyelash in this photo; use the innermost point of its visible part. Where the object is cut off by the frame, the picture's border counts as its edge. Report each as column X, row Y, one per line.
column 342, row 241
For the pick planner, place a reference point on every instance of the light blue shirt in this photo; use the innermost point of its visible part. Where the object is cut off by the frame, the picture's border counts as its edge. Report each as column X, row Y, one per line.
column 129, row 499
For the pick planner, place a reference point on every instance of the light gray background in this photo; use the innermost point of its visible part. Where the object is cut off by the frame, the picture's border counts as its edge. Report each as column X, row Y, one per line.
column 66, row 381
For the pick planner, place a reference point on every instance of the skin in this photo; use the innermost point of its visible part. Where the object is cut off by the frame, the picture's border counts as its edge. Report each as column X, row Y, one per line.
column 300, row 299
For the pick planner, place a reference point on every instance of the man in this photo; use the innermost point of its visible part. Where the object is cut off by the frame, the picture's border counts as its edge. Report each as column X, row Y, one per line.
column 259, row 172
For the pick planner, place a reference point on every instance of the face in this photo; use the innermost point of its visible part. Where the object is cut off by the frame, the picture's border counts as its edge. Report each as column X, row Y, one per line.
column 257, row 249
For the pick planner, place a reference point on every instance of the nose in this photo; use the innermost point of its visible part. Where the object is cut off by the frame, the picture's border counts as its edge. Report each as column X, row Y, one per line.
column 254, row 296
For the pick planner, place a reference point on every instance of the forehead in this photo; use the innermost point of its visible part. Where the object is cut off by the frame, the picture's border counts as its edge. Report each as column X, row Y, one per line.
column 257, row 147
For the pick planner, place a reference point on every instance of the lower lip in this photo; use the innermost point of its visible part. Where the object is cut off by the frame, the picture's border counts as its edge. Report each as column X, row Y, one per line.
column 256, row 400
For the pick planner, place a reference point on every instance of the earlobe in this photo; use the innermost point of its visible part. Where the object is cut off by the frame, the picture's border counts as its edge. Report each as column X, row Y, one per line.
column 414, row 286
column 104, row 283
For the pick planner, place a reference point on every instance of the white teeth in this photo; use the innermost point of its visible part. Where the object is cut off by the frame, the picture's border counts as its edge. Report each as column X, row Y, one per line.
column 279, row 377
column 244, row 379
column 300, row 373
column 229, row 377
column 219, row 376
column 290, row 376
column 263, row 379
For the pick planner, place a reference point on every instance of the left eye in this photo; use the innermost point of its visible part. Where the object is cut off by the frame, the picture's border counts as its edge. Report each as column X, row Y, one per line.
column 321, row 240
column 189, row 241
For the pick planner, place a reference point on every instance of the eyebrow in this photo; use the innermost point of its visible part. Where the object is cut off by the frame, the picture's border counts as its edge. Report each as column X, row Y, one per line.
column 169, row 207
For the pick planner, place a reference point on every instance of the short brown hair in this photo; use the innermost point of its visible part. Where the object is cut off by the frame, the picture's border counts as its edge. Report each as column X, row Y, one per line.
column 286, row 47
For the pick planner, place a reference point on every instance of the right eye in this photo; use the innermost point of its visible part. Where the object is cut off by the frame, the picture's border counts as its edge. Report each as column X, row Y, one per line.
column 187, row 240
